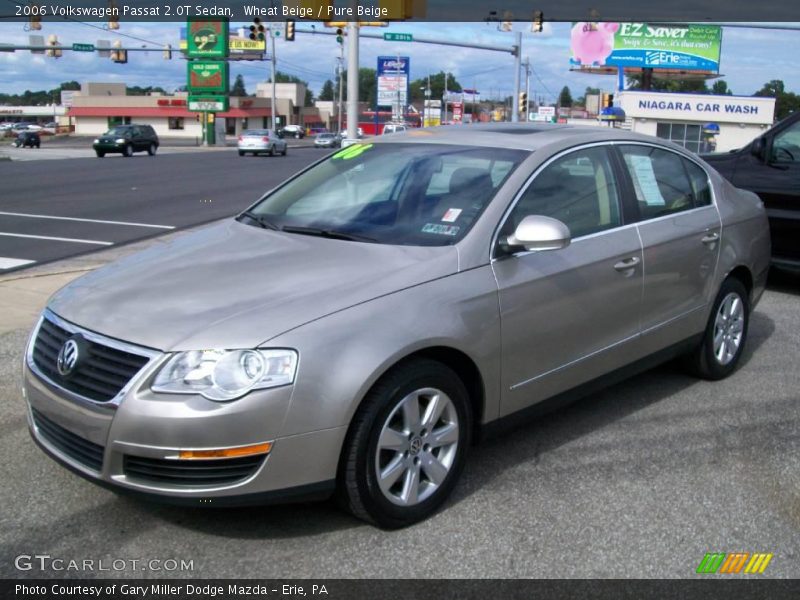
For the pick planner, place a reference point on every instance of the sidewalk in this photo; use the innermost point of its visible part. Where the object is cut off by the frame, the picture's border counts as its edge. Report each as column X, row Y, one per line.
column 24, row 294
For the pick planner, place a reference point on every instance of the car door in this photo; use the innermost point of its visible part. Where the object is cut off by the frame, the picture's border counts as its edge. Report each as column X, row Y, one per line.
column 680, row 230
column 569, row 315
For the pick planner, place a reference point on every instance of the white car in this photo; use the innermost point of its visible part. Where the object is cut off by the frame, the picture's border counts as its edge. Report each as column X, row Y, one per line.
column 394, row 128
column 261, row 141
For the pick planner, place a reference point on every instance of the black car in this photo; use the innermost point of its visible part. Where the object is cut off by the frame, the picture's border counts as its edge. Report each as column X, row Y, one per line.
column 127, row 139
column 770, row 167
column 28, row 139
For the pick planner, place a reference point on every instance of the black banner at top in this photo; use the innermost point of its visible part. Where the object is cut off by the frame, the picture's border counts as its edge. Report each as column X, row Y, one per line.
column 402, row 10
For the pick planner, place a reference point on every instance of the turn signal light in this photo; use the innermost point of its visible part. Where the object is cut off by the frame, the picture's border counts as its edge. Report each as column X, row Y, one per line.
column 226, row 452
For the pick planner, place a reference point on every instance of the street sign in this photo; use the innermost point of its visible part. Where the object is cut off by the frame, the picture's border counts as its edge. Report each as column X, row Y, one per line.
column 207, row 38
column 207, row 76
column 83, row 47
column 397, row 37
column 208, row 103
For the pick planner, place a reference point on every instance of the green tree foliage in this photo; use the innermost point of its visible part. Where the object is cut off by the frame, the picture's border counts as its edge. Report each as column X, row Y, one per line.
column 238, row 88
column 720, row 88
column 367, row 86
column 785, row 102
column 697, row 86
column 565, row 97
column 437, row 86
column 327, row 92
column 38, row 98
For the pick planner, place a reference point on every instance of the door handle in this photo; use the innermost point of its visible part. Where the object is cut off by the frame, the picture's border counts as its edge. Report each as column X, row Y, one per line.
column 710, row 238
column 627, row 263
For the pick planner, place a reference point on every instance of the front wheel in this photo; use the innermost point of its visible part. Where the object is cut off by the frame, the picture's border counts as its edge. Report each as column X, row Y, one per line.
column 271, row 151
column 726, row 332
column 100, row 153
column 128, row 152
column 285, row 150
column 241, row 153
column 406, row 446
column 151, row 149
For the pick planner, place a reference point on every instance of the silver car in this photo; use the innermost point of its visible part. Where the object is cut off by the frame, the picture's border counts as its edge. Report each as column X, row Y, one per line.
column 357, row 328
column 261, row 141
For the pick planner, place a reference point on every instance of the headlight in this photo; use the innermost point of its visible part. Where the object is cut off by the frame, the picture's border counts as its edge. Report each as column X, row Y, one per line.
column 223, row 375
column 96, row 140
column 120, row 140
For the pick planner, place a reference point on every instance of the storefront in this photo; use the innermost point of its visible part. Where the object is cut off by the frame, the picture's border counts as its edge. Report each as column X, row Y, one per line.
column 698, row 122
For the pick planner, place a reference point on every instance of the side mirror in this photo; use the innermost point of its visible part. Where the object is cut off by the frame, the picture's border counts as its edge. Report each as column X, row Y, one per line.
column 758, row 148
column 537, row 232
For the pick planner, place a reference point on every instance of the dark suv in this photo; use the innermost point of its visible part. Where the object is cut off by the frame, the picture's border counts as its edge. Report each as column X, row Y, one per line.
column 770, row 167
column 127, row 139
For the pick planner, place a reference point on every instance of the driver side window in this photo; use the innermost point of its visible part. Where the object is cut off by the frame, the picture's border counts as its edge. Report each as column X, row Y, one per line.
column 786, row 146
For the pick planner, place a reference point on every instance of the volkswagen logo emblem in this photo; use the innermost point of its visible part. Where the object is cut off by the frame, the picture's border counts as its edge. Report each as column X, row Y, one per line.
column 67, row 357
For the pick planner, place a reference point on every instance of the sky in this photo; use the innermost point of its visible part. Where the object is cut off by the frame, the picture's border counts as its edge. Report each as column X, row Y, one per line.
column 750, row 58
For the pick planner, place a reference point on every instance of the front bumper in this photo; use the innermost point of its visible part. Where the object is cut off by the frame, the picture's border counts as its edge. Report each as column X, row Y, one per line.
column 110, row 147
column 132, row 443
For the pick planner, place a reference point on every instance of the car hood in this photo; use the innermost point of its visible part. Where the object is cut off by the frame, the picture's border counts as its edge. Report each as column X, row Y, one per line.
column 233, row 285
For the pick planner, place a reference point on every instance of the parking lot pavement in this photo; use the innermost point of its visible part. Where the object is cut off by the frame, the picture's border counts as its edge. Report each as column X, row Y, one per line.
column 640, row 480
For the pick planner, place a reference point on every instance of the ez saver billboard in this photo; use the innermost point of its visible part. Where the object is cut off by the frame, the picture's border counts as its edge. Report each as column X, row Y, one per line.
column 656, row 45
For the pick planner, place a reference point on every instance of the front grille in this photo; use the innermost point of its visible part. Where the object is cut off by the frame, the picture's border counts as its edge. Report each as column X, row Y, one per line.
column 99, row 375
column 192, row 472
column 74, row 446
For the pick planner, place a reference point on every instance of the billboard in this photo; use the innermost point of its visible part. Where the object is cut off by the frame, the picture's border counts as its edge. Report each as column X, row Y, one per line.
column 656, row 45
column 393, row 80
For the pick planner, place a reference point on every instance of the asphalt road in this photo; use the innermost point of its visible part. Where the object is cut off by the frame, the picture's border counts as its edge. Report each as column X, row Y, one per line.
column 118, row 200
column 638, row 481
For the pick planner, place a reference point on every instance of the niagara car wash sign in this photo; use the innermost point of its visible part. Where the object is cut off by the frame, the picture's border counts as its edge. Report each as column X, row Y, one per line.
column 698, row 107
column 657, row 45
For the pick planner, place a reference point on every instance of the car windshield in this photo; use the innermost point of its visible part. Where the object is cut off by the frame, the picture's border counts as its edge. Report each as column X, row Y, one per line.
column 118, row 131
column 403, row 194
column 257, row 132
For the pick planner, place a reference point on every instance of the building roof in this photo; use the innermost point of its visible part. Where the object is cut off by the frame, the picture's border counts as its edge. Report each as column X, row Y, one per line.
column 159, row 111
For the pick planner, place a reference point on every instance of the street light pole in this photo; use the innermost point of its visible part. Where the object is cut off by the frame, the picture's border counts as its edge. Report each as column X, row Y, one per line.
column 352, row 81
column 273, row 108
column 515, row 96
column 339, row 71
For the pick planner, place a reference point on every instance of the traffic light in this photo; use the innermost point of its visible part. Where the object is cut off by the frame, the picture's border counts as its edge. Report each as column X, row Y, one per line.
column 117, row 54
column 113, row 15
column 257, row 30
column 607, row 100
column 340, row 36
column 35, row 20
column 55, row 48
column 168, row 52
column 523, row 104
column 538, row 21
column 289, row 33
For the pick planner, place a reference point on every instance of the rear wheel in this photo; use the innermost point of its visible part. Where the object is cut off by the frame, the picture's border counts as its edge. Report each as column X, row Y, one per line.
column 406, row 446
column 271, row 150
column 128, row 151
column 241, row 153
column 726, row 333
column 285, row 150
column 151, row 149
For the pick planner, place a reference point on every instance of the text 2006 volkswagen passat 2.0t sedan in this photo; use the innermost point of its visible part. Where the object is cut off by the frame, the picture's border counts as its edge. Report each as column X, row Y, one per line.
column 359, row 326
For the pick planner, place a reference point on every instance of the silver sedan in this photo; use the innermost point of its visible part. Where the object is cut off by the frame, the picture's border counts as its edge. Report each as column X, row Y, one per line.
column 358, row 327
column 261, row 141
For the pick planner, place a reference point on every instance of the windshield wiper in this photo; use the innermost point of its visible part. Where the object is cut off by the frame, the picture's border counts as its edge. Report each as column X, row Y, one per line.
column 260, row 220
column 327, row 233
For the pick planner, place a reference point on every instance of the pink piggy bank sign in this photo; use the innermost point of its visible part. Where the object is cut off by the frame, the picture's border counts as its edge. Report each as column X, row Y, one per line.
column 592, row 43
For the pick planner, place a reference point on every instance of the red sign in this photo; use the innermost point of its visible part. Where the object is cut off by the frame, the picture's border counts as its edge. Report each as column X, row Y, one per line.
column 458, row 111
column 163, row 102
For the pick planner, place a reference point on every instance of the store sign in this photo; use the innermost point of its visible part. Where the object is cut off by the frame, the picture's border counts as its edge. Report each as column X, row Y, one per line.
column 393, row 74
column 207, row 76
column 698, row 107
column 207, row 38
column 208, row 103
column 239, row 48
column 458, row 112
column 645, row 45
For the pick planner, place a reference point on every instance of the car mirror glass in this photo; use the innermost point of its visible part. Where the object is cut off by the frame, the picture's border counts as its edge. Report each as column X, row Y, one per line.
column 538, row 233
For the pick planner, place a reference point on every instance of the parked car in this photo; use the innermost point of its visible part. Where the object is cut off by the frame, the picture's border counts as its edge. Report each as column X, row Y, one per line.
column 327, row 140
column 28, row 139
column 261, row 141
column 770, row 167
column 393, row 128
column 127, row 139
column 295, row 131
column 21, row 126
column 34, row 127
column 357, row 328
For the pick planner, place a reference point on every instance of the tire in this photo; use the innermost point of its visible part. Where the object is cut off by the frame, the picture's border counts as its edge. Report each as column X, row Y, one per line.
column 271, row 151
column 726, row 333
column 392, row 473
column 151, row 149
column 285, row 150
column 241, row 153
column 100, row 153
column 128, row 151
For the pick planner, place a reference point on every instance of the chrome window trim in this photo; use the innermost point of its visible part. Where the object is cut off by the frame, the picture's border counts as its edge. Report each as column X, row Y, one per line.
column 154, row 357
column 495, row 236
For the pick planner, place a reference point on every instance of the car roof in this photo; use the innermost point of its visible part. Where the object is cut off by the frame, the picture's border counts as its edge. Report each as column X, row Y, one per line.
column 521, row 136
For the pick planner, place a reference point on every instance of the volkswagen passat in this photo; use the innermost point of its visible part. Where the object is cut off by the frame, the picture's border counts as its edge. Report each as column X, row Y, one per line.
column 358, row 327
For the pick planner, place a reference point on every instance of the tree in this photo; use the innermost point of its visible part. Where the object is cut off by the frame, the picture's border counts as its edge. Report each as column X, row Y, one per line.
column 367, row 86
column 327, row 92
column 785, row 102
column 238, row 88
column 720, row 88
column 437, row 86
column 697, row 86
column 589, row 91
column 565, row 97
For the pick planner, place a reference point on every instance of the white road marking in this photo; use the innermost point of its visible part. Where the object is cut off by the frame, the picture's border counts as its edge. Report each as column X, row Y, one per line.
column 10, row 214
column 10, row 263
column 57, row 239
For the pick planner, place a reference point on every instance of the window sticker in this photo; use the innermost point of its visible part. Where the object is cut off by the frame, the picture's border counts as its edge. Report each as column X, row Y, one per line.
column 451, row 215
column 644, row 180
column 440, row 229
column 351, row 151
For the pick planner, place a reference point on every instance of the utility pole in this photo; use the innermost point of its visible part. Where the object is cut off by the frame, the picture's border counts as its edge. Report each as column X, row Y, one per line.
column 339, row 72
column 446, row 97
column 527, row 65
column 273, row 107
column 352, row 82
column 517, row 64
